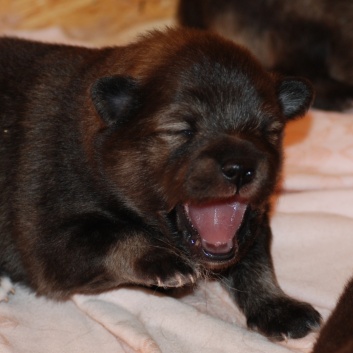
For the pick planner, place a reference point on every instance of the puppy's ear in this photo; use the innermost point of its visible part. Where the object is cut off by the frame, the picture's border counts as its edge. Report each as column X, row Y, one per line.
column 295, row 96
column 115, row 98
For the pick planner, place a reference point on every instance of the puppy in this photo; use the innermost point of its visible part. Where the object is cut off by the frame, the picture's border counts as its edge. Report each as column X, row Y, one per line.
column 146, row 165
column 307, row 38
column 337, row 334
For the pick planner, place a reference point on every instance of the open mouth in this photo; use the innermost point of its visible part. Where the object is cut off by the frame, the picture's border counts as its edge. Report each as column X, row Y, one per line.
column 212, row 227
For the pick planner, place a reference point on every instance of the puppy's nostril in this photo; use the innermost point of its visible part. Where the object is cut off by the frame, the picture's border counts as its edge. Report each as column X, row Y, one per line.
column 238, row 174
column 231, row 171
column 248, row 176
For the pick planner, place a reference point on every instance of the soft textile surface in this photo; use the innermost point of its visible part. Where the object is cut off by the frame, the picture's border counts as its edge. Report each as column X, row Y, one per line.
column 312, row 248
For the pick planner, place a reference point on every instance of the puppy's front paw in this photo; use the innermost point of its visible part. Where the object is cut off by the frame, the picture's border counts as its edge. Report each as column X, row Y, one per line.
column 6, row 288
column 167, row 270
column 284, row 317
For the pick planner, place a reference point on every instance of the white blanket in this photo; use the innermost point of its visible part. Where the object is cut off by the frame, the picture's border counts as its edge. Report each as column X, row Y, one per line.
column 313, row 255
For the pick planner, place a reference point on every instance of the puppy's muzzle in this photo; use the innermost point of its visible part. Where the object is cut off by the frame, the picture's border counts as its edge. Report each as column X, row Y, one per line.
column 223, row 182
column 238, row 173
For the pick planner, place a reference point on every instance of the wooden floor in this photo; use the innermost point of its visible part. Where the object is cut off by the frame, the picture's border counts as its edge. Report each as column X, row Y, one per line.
column 83, row 19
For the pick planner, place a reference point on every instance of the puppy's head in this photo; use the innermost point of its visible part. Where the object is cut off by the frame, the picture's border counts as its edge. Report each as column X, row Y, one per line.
column 197, row 132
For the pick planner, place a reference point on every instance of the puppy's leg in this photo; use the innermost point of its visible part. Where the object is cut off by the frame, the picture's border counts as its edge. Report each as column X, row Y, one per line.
column 152, row 262
column 6, row 288
column 95, row 254
column 267, row 308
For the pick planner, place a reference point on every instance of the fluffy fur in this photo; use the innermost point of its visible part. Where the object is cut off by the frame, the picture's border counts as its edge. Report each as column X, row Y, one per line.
column 310, row 38
column 337, row 334
column 104, row 151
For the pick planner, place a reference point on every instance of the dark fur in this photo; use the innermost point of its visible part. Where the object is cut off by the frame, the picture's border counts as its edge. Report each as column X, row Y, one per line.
column 100, row 148
column 337, row 334
column 306, row 38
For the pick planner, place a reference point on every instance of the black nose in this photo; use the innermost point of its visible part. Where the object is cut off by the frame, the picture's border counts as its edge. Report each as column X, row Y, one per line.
column 238, row 173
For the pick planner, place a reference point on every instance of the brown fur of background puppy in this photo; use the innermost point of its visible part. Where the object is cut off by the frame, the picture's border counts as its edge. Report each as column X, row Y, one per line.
column 337, row 334
column 306, row 38
column 114, row 163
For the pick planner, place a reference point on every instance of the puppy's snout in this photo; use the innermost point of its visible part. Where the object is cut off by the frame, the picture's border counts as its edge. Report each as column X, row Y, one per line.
column 238, row 173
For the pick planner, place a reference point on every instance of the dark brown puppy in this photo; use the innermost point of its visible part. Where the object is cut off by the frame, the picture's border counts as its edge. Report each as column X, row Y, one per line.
column 144, row 165
column 311, row 38
column 337, row 334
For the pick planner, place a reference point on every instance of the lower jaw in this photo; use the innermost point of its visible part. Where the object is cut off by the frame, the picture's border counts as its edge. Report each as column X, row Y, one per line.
column 218, row 265
column 218, row 261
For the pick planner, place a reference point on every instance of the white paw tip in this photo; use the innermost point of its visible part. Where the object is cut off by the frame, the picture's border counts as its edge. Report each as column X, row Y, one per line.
column 6, row 288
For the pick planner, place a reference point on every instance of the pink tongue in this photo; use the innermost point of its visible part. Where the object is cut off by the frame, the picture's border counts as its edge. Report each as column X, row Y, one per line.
column 217, row 224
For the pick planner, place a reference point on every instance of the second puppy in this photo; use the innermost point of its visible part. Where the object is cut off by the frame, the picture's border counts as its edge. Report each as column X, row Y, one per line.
column 306, row 38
